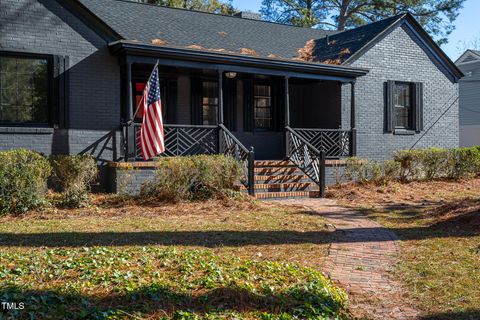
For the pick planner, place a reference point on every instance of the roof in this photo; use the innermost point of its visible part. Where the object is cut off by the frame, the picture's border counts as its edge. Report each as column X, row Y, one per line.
column 158, row 26
column 468, row 56
column 184, row 28
column 343, row 45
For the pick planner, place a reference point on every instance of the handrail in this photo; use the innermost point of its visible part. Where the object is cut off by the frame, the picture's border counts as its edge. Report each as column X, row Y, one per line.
column 306, row 157
column 233, row 147
column 336, row 143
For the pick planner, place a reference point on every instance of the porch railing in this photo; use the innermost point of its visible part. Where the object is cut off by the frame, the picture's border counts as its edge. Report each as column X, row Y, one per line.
column 306, row 157
column 185, row 140
column 336, row 143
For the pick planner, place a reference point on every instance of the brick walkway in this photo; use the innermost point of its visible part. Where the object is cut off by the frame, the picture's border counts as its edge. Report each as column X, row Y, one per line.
column 361, row 261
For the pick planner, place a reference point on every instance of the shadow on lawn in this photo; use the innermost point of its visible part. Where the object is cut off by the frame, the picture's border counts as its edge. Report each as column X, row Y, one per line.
column 212, row 239
column 162, row 300
column 454, row 315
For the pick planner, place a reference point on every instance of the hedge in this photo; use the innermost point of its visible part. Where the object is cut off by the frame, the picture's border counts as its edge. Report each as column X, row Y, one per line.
column 193, row 178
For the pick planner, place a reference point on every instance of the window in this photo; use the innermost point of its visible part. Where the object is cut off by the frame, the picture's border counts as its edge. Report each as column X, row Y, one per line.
column 209, row 102
column 24, row 90
column 402, row 102
column 262, row 103
column 404, row 107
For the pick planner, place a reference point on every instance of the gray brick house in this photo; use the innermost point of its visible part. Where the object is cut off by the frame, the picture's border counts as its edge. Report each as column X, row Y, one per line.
column 72, row 72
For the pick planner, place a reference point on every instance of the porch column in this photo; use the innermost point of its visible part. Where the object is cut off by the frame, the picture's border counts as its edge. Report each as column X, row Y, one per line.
column 130, row 114
column 287, row 102
column 353, row 136
column 220, row 96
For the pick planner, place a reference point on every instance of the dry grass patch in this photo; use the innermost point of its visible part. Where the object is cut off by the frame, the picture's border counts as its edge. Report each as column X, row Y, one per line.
column 439, row 225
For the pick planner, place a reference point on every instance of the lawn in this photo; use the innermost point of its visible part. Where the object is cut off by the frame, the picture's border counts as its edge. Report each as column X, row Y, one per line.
column 234, row 259
column 439, row 227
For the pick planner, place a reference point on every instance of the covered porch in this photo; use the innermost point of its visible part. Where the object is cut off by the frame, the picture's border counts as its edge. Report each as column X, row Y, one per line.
column 247, row 107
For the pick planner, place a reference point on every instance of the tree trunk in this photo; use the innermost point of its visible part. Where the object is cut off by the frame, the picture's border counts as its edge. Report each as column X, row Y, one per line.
column 342, row 15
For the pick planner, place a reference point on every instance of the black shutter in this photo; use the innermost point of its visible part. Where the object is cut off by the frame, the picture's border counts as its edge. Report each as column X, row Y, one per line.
column 196, row 89
column 171, row 101
column 278, row 108
column 248, row 105
column 59, row 112
column 389, row 108
column 418, row 112
column 230, row 103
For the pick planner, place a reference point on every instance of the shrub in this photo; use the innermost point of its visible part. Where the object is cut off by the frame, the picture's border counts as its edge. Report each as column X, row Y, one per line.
column 23, row 180
column 463, row 163
column 193, row 178
column 73, row 174
column 365, row 171
column 410, row 164
column 433, row 162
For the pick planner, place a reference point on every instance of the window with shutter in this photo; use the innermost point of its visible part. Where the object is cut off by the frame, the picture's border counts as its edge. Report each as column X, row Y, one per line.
column 404, row 109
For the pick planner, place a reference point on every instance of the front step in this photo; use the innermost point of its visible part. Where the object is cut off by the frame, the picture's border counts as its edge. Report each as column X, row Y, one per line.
column 279, row 179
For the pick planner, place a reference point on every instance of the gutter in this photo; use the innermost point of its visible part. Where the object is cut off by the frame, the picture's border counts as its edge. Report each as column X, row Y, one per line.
column 131, row 47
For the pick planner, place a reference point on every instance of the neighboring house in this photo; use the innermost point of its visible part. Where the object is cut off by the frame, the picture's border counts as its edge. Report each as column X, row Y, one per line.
column 73, row 71
column 469, row 64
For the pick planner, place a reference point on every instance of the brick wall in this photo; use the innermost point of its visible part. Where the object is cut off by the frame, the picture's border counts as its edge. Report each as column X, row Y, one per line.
column 400, row 56
column 45, row 27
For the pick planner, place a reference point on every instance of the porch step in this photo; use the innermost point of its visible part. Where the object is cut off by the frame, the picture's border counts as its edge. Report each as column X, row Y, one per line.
column 277, row 179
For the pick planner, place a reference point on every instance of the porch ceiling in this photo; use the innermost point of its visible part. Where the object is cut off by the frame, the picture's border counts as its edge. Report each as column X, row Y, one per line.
column 180, row 57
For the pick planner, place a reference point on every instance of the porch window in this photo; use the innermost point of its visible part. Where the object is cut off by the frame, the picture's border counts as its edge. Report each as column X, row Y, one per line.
column 209, row 102
column 262, row 102
column 402, row 99
column 24, row 90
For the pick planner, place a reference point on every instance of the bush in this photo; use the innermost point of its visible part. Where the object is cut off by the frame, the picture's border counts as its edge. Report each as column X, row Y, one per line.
column 73, row 174
column 193, row 178
column 463, row 163
column 365, row 171
column 23, row 180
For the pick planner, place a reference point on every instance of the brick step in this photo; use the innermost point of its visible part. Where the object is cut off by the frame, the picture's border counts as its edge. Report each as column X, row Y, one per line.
column 276, row 170
column 289, row 178
column 293, row 186
column 286, row 194
column 273, row 163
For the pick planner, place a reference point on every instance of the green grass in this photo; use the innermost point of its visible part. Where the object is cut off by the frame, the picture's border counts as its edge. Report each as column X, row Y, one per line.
column 166, row 283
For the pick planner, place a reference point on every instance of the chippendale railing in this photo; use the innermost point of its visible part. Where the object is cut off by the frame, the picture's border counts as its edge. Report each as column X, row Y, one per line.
column 336, row 143
column 186, row 140
column 306, row 157
column 231, row 146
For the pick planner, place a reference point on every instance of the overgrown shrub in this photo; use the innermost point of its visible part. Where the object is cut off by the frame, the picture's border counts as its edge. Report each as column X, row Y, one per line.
column 463, row 163
column 365, row 171
column 73, row 174
column 193, row 178
column 23, row 180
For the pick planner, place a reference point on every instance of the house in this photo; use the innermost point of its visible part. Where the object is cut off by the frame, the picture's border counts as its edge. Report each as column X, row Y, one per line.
column 469, row 92
column 73, row 71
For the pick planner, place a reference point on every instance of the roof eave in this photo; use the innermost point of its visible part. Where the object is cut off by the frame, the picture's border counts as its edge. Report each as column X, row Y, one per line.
column 136, row 48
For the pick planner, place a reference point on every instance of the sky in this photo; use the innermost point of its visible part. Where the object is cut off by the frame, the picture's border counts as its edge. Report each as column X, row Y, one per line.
column 467, row 24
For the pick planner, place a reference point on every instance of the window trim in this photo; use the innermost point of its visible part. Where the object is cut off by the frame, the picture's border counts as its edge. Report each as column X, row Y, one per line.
column 413, row 108
column 262, row 82
column 51, row 90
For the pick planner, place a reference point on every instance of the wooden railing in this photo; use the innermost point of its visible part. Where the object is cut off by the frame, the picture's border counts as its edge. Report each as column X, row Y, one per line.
column 336, row 143
column 306, row 157
column 186, row 140
column 231, row 146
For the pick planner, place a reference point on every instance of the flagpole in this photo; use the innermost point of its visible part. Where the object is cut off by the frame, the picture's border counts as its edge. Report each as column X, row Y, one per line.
column 138, row 105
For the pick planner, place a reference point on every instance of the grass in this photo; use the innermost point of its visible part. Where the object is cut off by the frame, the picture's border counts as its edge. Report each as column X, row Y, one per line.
column 209, row 260
column 439, row 227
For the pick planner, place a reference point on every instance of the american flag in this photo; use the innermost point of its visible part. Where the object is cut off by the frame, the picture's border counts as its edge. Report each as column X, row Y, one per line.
column 152, row 141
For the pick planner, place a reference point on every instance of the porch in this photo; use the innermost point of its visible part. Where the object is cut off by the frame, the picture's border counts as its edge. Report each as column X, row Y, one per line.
column 247, row 112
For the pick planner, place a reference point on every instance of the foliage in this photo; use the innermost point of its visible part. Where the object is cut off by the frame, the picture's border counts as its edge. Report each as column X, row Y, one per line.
column 23, row 179
column 422, row 164
column 213, row 6
column 193, row 178
column 437, row 16
column 163, row 283
column 74, row 174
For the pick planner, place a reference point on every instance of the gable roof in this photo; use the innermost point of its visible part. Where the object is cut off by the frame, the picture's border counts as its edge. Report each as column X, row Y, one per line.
column 468, row 56
column 186, row 28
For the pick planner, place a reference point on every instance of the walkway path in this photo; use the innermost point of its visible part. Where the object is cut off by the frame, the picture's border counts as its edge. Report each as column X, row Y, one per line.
column 361, row 261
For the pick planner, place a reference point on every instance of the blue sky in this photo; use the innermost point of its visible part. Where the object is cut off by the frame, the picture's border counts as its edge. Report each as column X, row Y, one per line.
column 467, row 23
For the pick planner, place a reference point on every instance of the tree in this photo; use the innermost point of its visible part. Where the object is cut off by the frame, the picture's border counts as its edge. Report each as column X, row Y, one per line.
column 214, row 6
column 437, row 16
column 472, row 44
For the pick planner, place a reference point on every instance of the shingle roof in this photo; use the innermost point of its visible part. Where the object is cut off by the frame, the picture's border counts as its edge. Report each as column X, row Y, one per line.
column 178, row 27
column 343, row 45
